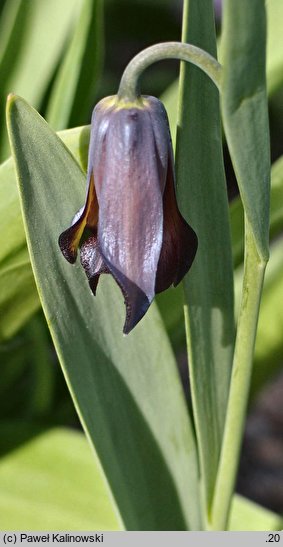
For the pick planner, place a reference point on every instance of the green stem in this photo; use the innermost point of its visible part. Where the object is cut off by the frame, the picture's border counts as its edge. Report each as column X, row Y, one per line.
column 240, row 383
column 129, row 86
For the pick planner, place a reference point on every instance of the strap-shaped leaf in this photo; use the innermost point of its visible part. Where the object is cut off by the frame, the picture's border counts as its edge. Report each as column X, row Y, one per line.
column 126, row 390
column 209, row 284
column 244, row 108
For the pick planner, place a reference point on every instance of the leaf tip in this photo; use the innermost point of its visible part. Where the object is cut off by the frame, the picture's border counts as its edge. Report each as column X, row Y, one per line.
column 11, row 98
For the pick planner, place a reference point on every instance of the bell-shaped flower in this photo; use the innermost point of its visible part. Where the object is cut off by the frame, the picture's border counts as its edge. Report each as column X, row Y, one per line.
column 135, row 230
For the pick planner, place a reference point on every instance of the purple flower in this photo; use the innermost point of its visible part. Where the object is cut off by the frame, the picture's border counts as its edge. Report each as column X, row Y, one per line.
column 131, row 223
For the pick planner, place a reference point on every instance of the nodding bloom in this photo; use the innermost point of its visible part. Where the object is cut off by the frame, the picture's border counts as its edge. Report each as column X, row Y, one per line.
column 132, row 224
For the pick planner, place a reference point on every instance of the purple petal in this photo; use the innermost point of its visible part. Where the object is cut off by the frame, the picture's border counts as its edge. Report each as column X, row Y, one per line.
column 130, row 205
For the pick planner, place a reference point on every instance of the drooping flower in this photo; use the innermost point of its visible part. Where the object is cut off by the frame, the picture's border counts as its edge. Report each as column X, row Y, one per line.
column 135, row 229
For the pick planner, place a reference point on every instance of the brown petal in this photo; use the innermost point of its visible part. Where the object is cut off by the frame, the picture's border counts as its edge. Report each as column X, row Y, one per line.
column 135, row 300
column 69, row 240
column 179, row 243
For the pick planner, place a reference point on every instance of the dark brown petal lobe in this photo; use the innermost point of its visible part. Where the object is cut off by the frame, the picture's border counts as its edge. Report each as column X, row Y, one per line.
column 180, row 242
column 135, row 300
column 69, row 239
column 92, row 262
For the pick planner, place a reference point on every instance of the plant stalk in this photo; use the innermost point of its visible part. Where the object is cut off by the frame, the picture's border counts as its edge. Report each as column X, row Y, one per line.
column 254, row 270
column 129, row 86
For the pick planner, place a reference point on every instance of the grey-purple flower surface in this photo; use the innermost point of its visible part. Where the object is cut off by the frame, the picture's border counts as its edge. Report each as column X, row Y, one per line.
column 130, row 225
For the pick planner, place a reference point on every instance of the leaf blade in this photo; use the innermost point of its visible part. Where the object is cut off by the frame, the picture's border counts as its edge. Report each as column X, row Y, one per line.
column 244, row 109
column 37, row 486
column 209, row 285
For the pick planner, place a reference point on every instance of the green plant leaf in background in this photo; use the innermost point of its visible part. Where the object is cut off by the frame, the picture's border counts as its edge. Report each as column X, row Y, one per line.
column 269, row 342
column 52, row 481
column 276, row 213
column 248, row 516
column 202, row 196
column 170, row 101
column 76, row 83
column 126, row 390
column 276, row 198
column 18, row 295
column 274, row 59
column 33, row 36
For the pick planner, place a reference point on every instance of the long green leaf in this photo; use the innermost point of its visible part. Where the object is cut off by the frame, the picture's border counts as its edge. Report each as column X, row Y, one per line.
column 126, row 390
column 78, row 77
column 244, row 108
column 37, row 486
column 31, row 50
column 209, row 284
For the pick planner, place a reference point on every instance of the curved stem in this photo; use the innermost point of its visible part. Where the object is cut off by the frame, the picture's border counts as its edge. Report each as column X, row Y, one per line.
column 129, row 85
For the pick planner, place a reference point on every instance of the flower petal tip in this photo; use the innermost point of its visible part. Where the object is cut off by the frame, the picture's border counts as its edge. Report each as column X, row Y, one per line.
column 136, row 307
column 136, row 301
